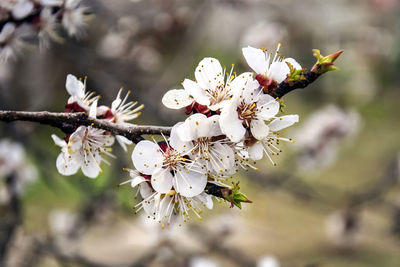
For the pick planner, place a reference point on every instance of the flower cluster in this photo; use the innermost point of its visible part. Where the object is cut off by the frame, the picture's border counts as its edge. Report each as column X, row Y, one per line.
column 84, row 146
column 232, row 122
column 21, row 21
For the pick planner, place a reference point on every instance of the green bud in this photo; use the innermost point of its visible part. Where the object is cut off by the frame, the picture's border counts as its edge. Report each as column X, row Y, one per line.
column 234, row 196
column 324, row 64
column 295, row 75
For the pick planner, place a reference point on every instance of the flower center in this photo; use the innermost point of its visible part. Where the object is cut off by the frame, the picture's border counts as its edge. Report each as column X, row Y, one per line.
column 246, row 113
column 267, row 84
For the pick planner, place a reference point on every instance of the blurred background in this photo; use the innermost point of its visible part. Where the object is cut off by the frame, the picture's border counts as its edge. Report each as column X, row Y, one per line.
column 332, row 200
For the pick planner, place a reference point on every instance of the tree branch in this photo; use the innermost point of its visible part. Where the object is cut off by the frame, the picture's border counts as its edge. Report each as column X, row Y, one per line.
column 68, row 122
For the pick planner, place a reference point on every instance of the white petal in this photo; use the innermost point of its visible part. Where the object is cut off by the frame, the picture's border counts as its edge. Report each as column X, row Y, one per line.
column 230, row 124
column 147, row 157
column 206, row 199
column 7, row 31
column 91, row 166
column 189, row 183
column 137, row 180
column 74, row 86
column 93, row 110
column 51, row 2
column 117, row 101
column 161, row 180
column 188, row 131
column 176, row 99
column 197, row 92
column 123, row 141
column 58, row 141
column 278, row 71
column 267, row 107
column 293, row 62
column 224, row 159
column 66, row 167
column 256, row 59
column 213, row 128
column 283, row 122
column 22, row 9
column 176, row 142
column 239, row 84
column 259, row 129
column 209, row 73
column 146, row 191
column 256, row 151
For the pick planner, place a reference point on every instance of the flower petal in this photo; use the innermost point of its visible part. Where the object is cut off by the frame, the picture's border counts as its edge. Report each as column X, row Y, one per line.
column 91, row 165
column 278, row 71
column 283, row 122
column 123, row 141
column 267, row 107
column 197, row 92
column 147, row 157
column 137, row 180
column 66, row 167
column 189, row 183
column 176, row 142
column 206, row 199
column 58, row 141
column 188, row 130
column 161, row 180
column 22, row 9
column 209, row 73
column 74, row 86
column 259, row 129
column 293, row 62
column 256, row 151
column 256, row 59
column 230, row 124
column 176, row 99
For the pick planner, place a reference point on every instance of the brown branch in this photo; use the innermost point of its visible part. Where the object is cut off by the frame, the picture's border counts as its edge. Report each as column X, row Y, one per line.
column 301, row 78
column 68, row 122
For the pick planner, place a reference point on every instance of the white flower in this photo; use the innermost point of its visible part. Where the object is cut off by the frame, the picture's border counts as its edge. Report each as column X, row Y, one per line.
column 268, row 261
column 74, row 18
column 169, row 167
column 120, row 113
column 79, row 100
column 210, row 88
column 163, row 206
column 249, row 111
column 123, row 112
column 202, row 136
column 84, row 149
column 271, row 69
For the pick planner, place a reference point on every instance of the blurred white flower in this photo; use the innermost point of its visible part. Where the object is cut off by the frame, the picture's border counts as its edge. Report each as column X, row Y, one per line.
column 321, row 135
column 343, row 228
column 74, row 17
column 268, row 261
column 271, row 69
column 201, row 261
column 22, row 9
column 13, row 162
column 11, row 42
column 61, row 222
column 263, row 34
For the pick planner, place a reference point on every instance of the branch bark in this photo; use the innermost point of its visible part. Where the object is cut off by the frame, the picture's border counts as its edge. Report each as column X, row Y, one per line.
column 68, row 122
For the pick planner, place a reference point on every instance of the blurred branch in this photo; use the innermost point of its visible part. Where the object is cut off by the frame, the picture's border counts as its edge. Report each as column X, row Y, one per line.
column 12, row 220
column 68, row 122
